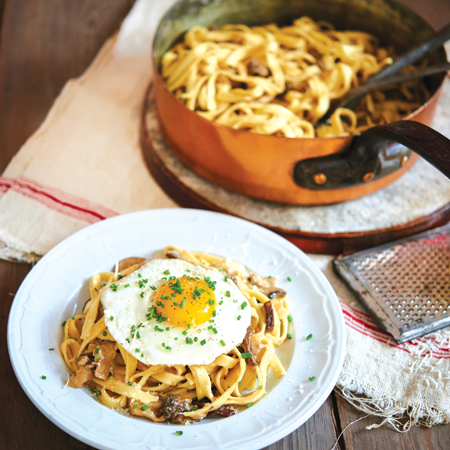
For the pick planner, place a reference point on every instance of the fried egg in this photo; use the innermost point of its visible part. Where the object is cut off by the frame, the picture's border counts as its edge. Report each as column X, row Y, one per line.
column 172, row 312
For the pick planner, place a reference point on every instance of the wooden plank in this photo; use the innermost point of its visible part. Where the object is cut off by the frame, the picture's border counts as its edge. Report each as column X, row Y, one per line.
column 319, row 432
column 43, row 43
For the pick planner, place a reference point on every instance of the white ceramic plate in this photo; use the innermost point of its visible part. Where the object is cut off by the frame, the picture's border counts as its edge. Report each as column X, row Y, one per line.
column 57, row 287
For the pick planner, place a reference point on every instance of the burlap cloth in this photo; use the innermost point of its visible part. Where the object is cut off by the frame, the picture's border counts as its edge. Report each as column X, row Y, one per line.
column 84, row 164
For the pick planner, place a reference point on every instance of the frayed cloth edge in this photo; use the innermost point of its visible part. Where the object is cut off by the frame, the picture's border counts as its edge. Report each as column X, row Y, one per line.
column 397, row 415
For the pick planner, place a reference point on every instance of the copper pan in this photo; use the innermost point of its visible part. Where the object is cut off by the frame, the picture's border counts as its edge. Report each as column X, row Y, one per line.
column 268, row 167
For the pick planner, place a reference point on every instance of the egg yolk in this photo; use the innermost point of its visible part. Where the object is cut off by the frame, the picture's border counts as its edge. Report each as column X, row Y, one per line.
column 186, row 301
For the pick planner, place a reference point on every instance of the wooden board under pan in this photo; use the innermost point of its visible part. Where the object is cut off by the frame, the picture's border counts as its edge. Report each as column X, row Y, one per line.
column 418, row 201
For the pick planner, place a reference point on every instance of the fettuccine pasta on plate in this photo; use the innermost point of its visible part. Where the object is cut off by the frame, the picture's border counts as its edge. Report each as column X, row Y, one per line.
column 280, row 80
column 179, row 393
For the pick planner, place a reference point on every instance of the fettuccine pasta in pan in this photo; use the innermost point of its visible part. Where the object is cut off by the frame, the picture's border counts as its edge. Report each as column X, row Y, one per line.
column 177, row 337
column 280, row 80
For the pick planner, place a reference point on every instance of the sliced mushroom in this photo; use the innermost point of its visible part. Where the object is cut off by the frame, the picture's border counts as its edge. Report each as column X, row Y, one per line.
column 223, row 411
column 174, row 407
column 248, row 346
column 173, row 254
column 82, row 378
column 128, row 262
column 270, row 317
column 151, row 411
column 254, row 67
column 267, row 285
column 86, row 361
column 107, row 353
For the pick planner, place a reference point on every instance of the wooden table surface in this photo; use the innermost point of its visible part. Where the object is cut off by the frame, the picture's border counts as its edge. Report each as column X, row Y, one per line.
column 43, row 43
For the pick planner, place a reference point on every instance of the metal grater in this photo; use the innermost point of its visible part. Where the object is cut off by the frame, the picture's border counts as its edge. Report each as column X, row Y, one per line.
column 404, row 285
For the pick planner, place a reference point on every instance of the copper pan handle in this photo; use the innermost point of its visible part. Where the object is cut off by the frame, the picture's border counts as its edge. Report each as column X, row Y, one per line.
column 423, row 140
column 376, row 153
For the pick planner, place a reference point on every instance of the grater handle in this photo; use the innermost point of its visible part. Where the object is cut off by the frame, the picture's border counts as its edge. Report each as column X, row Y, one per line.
column 423, row 140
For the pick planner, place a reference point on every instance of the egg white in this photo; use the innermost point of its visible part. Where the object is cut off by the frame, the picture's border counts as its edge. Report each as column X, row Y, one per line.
column 124, row 307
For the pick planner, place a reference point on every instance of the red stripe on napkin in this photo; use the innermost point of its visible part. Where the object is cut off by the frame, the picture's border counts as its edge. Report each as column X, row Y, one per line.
column 64, row 203
column 362, row 323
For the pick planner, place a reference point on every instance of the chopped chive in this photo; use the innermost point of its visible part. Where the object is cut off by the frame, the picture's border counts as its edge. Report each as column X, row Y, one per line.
column 203, row 342
column 119, row 277
column 309, row 337
column 189, row 326
column 113, row 287
column 163, row 344
column 179, row 433
column 215, row 331
column 111, row 318
column 167, row 328
column 183, row 302
column 166, row 272
column 211, row 320
column 142, row 295
column 250, row 404
column 227, row 294
column 243, row 305
column 144, row 407
column 158, row 329
column 43, row 377
column 225, row 279
column 195, row 339
column 289, row 278
column 136, row 405
column 139, row 275
column 289, row 336
column 137, row 350
column 223, row 343
column 211, row 302
column 127, row 285
column 168, row 348
column 51, row 349
column 214, row 314
column 153, row 288
column 184, row 332
column 312, row 378
column 164, row 297
column 73, row 318
column 130, row 383
column 289, row 319
column 246, row 355
column 260, row 387
column 238, row 317
column 235, row 301
column 105, row 333
column 221, row 302
column 64, row 323
column 138, row 335
column 239, row 382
